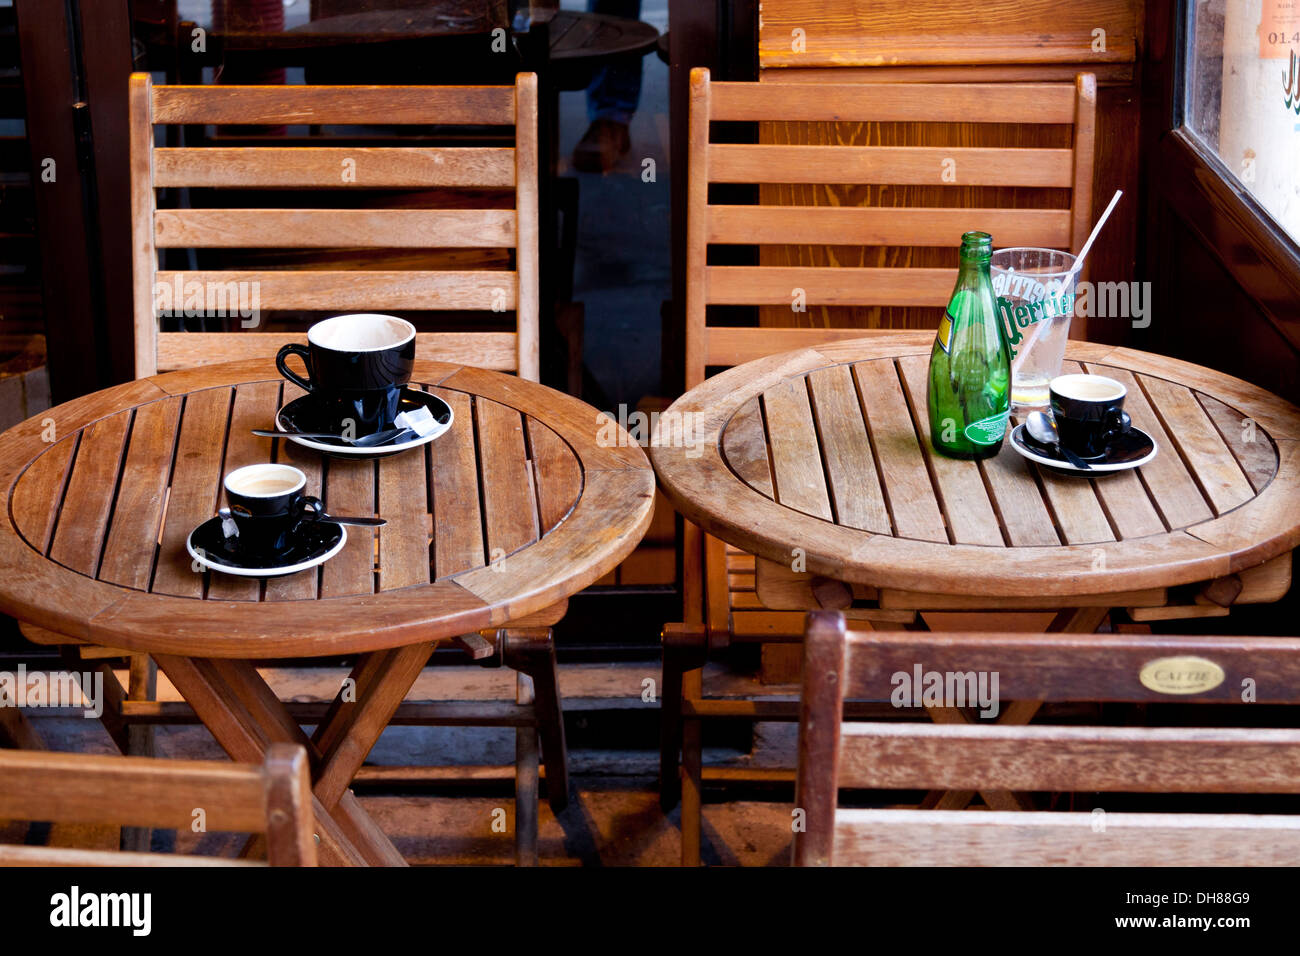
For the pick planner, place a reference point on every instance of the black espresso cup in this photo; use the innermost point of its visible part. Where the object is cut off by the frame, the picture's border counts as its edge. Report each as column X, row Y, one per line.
column 356, row 368
column 267, row 506
column 1089, row 412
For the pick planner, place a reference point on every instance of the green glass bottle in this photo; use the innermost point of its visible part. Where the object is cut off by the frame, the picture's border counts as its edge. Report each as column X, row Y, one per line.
column 969, row 396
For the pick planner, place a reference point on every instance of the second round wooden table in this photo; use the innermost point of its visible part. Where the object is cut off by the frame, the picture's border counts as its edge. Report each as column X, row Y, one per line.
column 516, row 507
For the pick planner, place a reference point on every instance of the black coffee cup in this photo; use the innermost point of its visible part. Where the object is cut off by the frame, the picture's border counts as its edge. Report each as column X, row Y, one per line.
column 356, row 367
column 267, row 506
column 1089, row 412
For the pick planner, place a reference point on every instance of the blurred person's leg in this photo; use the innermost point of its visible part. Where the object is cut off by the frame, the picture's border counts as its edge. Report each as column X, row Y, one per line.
column 612, row 99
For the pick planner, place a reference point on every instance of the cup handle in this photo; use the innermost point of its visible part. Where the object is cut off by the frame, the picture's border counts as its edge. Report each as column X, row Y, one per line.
column 281, row 363
column 307, row 508
column 1118, row 424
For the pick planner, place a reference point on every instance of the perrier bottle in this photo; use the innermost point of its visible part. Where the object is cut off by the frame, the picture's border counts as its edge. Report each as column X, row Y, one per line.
column 970, row 364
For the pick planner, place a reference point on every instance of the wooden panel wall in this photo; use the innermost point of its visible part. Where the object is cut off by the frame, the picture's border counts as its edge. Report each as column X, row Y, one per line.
column 954, row 41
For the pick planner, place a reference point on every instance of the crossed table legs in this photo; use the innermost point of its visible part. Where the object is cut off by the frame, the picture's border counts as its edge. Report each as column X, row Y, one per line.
column 246, row 717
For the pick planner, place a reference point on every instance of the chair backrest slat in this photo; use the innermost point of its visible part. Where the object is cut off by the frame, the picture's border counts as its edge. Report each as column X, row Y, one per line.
column 990, row 757
column 909, row 756
column 894, row 165
column 885, row 225
column 1073, row 667
column 961, row 838
column 334, row 228
column 322, row 167
column 894, row 102
column 490, row 350
column 273, row 798
column 334, row 105
column 344, row 288
column 796, row 166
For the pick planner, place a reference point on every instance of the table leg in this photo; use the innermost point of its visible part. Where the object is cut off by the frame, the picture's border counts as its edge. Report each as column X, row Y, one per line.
column 1080, row 620
column 245, row 717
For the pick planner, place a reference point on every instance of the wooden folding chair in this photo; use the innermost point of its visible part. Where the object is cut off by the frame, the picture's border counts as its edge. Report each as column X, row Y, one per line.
column 273, row 799
column 721, row 605
column 361, row 258
column 835, row 754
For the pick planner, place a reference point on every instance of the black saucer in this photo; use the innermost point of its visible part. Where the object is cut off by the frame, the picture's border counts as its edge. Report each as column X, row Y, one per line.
column 304, row 414
column 1126, row 451
column 313, row 543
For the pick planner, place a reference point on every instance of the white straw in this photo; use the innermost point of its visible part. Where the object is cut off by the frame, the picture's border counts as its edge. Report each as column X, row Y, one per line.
column 1092, row 237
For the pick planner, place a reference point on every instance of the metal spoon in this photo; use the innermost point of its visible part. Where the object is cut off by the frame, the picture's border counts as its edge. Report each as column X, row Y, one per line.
column 365, row 441
column 333, row 519
column 1042, row 428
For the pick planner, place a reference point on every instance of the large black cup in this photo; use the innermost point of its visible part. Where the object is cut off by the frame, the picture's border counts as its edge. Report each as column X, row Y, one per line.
column 1089, row 412
column 356, row 368
column 267, row 506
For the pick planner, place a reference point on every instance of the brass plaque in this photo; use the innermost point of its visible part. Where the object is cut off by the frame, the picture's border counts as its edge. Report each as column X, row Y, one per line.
column 1180, row 675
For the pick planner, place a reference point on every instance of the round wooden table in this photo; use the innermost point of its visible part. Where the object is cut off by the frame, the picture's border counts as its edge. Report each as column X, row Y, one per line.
column 820, row 460
column 519, row 505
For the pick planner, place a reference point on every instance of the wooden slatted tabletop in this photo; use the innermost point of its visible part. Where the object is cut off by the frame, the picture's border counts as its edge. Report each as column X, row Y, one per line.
column 823, row 454
column 515, row 508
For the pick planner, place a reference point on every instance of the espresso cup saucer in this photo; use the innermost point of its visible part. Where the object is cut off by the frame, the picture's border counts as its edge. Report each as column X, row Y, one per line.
column 313, row 543
column 303, row 415
column 1126, row 451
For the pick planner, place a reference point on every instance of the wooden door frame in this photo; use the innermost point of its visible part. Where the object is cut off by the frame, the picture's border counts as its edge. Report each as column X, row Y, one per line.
column 75, row 97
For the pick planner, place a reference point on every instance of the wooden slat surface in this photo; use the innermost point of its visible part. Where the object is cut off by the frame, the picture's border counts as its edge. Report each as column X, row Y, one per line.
column 1001, row 501
column 83, row 520
column 195, row 484
column 892, row 165
column 850, row 464
column 330, row 228
column 894, row 102
column 1169, row 484
column 1199, row 443
column 298, row 587
column 350, row 489
column 129, row 551
column 338, row 291
column 255, row 407
column 36, row 499
column 744, row 444
column 453, row 477
column 884, row 226
column 774, row 285
column 956, row 837
column 556, row 474
column 546, row 495
column 509, row 500
column 324, row 167
column 796, row 464
column 903, row 756
column 404, row 558
column 493, row 350
column 964, row 499
column 902, row 464
column 330, row 105
column 1249, row 443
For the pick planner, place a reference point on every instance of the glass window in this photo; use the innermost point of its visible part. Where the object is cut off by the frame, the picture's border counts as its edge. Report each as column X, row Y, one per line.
column 1243, row 96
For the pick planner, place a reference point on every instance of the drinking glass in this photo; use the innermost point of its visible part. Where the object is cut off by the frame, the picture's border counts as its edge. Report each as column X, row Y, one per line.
column 1034, row 309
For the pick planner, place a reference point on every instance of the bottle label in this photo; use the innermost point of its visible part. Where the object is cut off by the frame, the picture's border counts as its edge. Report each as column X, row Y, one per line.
column 945, row 331
column 987, row 431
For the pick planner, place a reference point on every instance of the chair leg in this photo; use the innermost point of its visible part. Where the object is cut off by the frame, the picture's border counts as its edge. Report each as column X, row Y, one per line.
column 525, row 780
column 140, row 739
column 692, row 792
column 685, row 648
column 532, row 651
column 16, row 731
